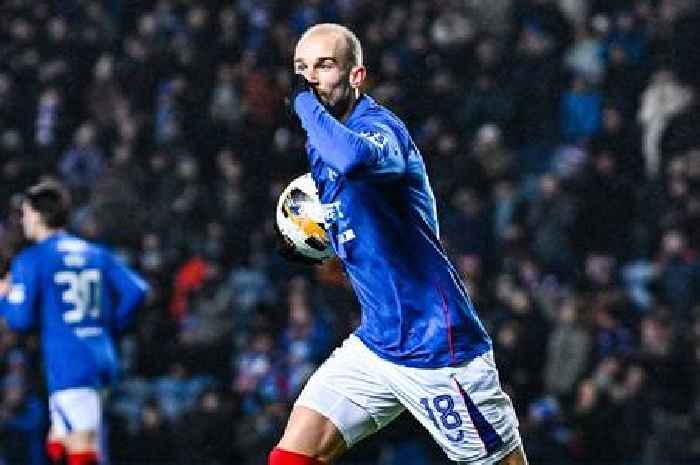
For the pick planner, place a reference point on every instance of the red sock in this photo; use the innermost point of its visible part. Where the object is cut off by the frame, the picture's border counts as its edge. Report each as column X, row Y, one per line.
column 285, row 457
column 82, row 458
column 55, row 450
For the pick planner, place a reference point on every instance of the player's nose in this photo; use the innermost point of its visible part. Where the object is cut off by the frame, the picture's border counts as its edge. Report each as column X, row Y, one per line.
column 312, row 76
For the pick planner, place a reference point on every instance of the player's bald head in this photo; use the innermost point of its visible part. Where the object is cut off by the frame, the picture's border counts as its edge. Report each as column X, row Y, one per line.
column 348, row 45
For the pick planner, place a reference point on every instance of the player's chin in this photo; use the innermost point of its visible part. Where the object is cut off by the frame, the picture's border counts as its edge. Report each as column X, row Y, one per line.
column 337, row 106
column 325, row 100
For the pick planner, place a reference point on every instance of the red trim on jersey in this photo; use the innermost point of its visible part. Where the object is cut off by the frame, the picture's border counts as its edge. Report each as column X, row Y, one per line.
column 448, row 321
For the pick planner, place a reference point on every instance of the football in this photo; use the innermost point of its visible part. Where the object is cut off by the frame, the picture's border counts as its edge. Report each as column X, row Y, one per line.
column 301, row 218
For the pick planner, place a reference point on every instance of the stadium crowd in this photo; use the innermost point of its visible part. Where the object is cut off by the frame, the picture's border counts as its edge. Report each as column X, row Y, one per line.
column 562, row 138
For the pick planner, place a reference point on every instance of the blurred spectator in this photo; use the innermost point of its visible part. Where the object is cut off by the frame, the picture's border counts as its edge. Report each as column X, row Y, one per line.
column 225, row 108
column 585, row 56
column 205, row 330
column 606, row 209
column 669, row 364
column 488, row 101
column 22, row 422
column 306, row 339
column 612, row 338
column 679, row 275
column 568, row 350
column 83, row 163
column 622, row 141
column 205, row 434
column 580, row 111
column 258, row 376
column 48, row 120
column 467, row 228
column 551, row 218
column 178, row 390
column 189, row 278
column 663, row 98
column 153, row 442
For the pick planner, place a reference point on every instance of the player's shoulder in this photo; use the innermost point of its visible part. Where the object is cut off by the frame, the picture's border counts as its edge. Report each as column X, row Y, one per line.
column 71, row 245
column 28, row 255
column 374, row 118
column 371, row 113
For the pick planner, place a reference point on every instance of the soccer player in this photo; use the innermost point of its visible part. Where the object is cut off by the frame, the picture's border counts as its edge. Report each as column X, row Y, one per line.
column 79, row 295
column 420, row 345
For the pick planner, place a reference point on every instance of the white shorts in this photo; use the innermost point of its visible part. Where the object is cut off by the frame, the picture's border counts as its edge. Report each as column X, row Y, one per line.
column 77, row 409
column 464, row 408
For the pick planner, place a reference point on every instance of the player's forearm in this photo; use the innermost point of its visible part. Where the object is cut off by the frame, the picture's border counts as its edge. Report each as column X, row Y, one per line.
column 128, row 305
column 338, row 146
column 16, row 319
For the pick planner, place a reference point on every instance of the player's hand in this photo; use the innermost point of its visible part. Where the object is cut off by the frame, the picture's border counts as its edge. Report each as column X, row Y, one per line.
column 286, row 249
column 299, row 84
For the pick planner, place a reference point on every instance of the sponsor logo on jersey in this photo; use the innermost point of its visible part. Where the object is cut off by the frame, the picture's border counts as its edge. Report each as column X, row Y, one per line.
column 346, row 236
column 332, row 174
column 377, row 138
column 88, row 331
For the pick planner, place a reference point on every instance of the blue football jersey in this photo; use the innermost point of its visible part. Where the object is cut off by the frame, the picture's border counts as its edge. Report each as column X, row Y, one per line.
column 382, row 222
column 78, row 295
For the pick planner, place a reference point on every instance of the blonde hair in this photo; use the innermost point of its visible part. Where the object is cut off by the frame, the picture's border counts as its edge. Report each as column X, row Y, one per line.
column 353, row 45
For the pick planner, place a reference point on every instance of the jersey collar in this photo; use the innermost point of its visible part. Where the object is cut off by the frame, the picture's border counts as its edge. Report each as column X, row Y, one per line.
column 362, row 105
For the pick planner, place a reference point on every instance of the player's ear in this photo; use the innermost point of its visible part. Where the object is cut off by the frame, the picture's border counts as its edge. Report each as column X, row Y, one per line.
column 357, row 76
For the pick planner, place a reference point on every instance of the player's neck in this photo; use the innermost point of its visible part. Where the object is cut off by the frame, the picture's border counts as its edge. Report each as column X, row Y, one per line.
column 44, row 233
column 354, row 97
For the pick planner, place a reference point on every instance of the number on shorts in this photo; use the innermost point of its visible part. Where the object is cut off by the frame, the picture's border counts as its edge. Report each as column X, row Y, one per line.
column 449, row 418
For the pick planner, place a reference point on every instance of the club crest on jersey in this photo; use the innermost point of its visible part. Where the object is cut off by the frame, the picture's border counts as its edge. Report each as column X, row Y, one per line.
column 377, row 138
column 332, row 211
column 332, row 174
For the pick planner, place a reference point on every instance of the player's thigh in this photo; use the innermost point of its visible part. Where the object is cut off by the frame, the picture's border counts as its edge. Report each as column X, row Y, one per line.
column 76, row 417
column 463, row 408
column 347, row 392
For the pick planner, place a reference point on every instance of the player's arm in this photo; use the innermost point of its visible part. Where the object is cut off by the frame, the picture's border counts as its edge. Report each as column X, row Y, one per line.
column 130, row 288
column 376, row 149
column 19, row 303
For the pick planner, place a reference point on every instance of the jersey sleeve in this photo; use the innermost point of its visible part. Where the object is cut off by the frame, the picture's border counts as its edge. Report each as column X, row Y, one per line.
column 373, row 150
column 19, row 306
column 130, row 290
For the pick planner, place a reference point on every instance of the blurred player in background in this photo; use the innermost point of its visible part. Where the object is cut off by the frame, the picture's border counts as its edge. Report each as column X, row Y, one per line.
column 79, row 296
column 420, row 345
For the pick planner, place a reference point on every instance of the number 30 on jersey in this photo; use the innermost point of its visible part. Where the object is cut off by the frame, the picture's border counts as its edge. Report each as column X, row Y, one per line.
column 82, row 293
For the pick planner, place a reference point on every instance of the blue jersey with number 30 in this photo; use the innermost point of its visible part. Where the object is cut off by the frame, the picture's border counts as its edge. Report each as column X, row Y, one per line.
column 383, row 226
column 79, row 295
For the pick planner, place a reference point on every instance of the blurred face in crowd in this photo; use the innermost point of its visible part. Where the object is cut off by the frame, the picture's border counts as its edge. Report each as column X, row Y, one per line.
column 332, row 63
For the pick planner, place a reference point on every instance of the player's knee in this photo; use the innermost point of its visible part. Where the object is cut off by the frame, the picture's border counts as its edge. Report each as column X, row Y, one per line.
column 312, row 435
column 516, row 457
column 81, row 448
column 81, row 441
